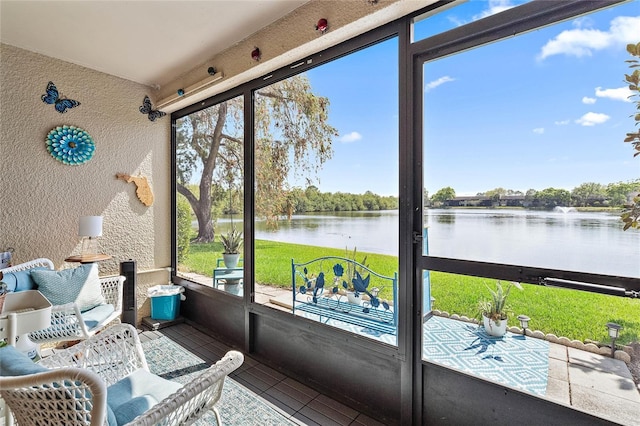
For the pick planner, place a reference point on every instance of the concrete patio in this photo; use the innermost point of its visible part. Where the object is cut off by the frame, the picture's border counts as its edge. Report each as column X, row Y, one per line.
column 593, row 383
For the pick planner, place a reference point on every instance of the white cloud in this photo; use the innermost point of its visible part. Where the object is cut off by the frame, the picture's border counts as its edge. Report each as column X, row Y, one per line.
column 589, row 101
column 435, row 83
column 583, row 41
column 350, row 137
column 619, row 94
column 538, row 130
column 592, row 118
column 562, row 122
column 495, row 6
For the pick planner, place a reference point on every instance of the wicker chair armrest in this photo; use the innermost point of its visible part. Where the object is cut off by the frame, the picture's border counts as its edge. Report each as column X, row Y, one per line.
column 111, row 288
column 194, row 398
column 35, row 263
column 71, row 395
column 112, row 354
column 66, row 321
column 68, row 309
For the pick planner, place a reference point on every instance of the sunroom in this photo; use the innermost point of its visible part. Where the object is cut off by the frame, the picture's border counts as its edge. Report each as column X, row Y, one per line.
column 334, row 142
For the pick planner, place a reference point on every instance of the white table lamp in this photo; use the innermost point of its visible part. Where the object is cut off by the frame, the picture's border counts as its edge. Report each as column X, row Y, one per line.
column 89, row 228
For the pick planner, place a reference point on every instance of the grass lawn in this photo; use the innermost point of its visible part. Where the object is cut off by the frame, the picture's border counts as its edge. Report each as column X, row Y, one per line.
column 573, row 314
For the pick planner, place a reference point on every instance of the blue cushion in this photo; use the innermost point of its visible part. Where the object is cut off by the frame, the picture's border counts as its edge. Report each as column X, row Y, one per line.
column 15, row 363
column 137, row 393
column 21, row 280
column 95, row 316
column 81, row 285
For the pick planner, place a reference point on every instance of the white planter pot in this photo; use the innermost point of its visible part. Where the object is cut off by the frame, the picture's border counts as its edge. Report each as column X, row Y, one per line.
column 233, row 287
column 494, row 330
column 353, row 299
column 231, row 260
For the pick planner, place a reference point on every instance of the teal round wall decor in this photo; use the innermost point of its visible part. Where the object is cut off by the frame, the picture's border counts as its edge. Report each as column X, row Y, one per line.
column 70, row 145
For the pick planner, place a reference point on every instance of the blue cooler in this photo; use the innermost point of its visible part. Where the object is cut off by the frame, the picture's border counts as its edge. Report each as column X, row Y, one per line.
column 165, row 301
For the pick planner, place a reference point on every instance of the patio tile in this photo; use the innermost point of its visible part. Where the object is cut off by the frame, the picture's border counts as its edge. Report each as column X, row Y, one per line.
column 260, row 372
column 558, row 370
column 320, row 418
column 558, row 390
column 617, row 409
column 305, row 420
column 330, row 412
column 557, row 351
column 603, row 383
column 215, row 349
column 306, row 390
column 271, row 372
column 364, row 420
column 599, row 362
column 298, row 391
column 281, row 406
column 292, row 404
column 337, row 406
column 247, row 376
column 250, row 386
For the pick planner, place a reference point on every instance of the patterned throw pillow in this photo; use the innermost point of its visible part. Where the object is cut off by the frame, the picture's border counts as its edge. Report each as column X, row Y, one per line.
column 80, row 285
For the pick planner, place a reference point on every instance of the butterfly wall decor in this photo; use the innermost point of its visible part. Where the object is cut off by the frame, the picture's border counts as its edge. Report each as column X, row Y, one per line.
column 146, row 108
column 61, row 104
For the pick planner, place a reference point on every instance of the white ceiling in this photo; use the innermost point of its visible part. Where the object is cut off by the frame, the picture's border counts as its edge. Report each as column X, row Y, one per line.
column 146, row 41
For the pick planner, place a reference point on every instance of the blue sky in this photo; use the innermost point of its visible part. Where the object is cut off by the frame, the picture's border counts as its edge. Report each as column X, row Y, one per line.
column 545, row 109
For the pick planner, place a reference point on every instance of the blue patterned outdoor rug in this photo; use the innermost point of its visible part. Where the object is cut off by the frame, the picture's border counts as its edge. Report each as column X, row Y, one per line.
column 237, row 406
column 513, row 360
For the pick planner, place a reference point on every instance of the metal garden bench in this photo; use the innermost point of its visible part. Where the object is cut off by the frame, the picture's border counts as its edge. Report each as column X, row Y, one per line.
column 343, row 289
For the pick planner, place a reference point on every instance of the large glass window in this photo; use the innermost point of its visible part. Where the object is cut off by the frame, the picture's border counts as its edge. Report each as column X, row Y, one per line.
column 326, row 167
column 210, row 197
column 525, row 164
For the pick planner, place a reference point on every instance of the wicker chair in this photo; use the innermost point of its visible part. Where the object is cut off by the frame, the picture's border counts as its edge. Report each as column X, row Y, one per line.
column 67, row 322
column 77, row 390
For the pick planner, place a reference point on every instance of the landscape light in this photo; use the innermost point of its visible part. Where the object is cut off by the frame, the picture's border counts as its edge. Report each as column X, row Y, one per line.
column 524, row 323
column 614, row 332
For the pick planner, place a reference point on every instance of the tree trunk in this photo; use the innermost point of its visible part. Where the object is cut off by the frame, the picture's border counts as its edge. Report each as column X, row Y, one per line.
column 205, row 226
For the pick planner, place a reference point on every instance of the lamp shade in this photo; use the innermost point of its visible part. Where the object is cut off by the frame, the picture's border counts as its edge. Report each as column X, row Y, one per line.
column 90, row 226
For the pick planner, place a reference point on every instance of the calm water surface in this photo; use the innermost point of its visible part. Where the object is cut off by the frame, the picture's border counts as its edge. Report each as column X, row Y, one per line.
column 574, row 241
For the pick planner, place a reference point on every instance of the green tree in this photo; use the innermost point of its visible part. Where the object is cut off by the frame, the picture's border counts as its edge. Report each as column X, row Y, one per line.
column 183, row 219
column 443, row 195
column 496, row 193
column 631, row 216
column 552, row 197
column 290, row 122
column 588, row 193
column 618, row 193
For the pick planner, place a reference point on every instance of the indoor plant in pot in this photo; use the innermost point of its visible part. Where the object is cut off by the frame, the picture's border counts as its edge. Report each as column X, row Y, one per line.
column 495, row 312
column 231, row 243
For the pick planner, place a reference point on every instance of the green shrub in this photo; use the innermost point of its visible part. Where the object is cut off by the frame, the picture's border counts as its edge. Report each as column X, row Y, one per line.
column 185, row 232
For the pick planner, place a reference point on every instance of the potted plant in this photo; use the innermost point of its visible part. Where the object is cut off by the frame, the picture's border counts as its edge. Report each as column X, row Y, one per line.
column 353, row 282
column 495, row 312
column 231, row 243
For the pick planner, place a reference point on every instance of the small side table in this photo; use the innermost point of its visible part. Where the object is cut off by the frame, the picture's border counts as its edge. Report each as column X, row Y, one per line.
column 88, row 258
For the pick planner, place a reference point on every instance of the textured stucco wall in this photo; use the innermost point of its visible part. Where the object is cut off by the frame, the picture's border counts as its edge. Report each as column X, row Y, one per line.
column 42, row 199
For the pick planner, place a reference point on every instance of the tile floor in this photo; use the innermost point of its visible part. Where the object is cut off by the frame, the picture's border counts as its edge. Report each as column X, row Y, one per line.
column 291, row 398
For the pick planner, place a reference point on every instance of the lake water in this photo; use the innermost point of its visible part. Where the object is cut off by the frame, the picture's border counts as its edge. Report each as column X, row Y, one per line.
column 573, row 241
